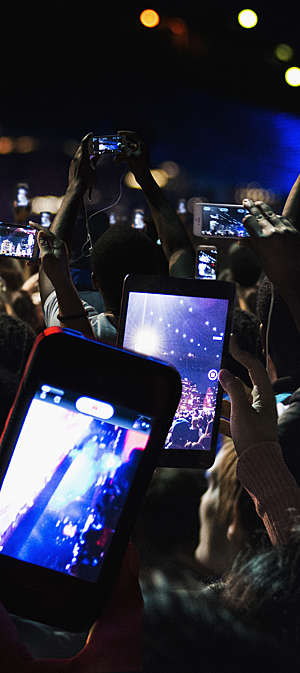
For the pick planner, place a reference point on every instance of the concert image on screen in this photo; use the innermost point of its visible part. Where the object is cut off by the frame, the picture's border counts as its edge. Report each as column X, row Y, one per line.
column 187, row 332
column 16, row 241
column 223, row 221
column 68, row 480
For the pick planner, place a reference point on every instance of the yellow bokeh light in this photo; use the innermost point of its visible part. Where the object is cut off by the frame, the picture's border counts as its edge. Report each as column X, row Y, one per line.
column 160, row 176
column 25, row 144
column 149, row 18
column 292, row 76
column 6, row 145
column 50, row 204
column 247, row 18
column 284, row 52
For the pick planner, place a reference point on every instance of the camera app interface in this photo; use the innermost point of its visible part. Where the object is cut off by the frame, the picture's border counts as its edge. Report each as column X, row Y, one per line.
column 105, row 144
column 65, row 488
column 16, row 242
column 223, row 221
column 206, row 264
column 188, row 333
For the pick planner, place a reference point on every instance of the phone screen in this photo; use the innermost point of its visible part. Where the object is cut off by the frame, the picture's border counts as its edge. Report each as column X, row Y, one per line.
column 22, row 196
column 16, row 241
column 222, row 220
column 138, row 220
column 206, row 263
column 45, row 219
column 188, row 333
column 104, row 144
column 64, row 489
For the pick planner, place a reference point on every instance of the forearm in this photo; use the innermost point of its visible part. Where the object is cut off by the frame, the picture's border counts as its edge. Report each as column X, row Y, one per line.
column 291, row 208
column 276, row 495
column 64, row 221
column 170, row 229
column 71, row 307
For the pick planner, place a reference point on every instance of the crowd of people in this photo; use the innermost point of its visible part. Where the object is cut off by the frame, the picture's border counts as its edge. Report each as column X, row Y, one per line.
column 211, row 577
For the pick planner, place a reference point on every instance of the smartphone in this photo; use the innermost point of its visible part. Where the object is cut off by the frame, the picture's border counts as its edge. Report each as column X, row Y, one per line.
column 181, row 206
column 100, row 145
column 138, row 219
column 77, row 454
column 22, row 195
column 221, row 220
column 17, row 241
column 45, row 219
column 206, row 262
column 187, row 324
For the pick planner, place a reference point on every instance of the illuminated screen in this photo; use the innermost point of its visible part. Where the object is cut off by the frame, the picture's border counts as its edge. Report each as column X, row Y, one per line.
column 188, row 333
column 220, row 220
column 206, row 264
column 16, row 242
column 68, row 480
column 106, row 144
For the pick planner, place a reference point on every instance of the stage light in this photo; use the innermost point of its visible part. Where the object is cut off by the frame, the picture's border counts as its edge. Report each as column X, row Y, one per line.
column 171, row 169
column 292, row 76
column 160, row 176
column 283, row 52
column 6, row 145
column 50, row 204
column 25, row 144
column 149, row 18
column 247, row 18
column 146, row 341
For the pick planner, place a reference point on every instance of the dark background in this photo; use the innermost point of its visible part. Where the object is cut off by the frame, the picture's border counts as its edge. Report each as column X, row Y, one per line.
column 213, row 100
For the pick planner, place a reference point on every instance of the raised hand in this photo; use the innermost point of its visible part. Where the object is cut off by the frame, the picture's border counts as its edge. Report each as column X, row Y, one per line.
column 277, row 242
column 82, row 169
column 251, row 421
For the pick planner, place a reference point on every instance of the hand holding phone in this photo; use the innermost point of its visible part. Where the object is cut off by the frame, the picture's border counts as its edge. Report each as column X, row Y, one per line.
column 54, row 257
column 82, row 169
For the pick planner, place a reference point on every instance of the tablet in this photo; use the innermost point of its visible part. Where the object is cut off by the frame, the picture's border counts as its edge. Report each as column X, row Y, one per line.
column 187, row 324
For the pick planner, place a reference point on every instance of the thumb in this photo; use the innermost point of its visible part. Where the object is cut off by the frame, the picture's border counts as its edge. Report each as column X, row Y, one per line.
column 236, row 391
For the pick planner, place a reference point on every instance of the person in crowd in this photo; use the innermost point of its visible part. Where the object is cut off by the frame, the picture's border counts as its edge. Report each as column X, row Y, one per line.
column 244, row 269
column 16, row 341
column 119, row 251
column 170, row 504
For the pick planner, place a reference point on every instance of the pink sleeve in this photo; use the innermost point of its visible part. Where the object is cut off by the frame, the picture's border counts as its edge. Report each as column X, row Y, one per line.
column 263, row 473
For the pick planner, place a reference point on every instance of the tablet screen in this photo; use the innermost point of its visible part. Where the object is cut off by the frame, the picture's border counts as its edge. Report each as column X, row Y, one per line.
column 187, row 332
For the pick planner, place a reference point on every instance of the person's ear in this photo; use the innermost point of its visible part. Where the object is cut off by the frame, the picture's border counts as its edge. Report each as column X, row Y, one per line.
column 235, row 533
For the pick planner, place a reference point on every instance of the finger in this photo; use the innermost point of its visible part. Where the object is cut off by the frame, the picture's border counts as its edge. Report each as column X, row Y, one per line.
column 44, row 242
column 256, row 370
column 235, row 389
column 225, row 409
column 224, row 428
column 257, row 224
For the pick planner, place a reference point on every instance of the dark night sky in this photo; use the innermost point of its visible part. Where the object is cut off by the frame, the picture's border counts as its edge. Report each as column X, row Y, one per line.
column 72, row 65
column 72, row 68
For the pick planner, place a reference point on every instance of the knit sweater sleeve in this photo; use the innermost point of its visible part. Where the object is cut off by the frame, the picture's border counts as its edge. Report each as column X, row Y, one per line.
column 263, row 473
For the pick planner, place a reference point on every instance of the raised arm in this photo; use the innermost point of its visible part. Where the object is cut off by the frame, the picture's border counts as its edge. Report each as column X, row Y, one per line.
column 170, row 229
column 81, row 178
column 261, row 468
column 55, row 266
column 277, row 242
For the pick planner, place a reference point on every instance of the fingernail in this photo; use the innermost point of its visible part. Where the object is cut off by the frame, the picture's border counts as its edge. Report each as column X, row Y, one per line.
column 225, row 376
